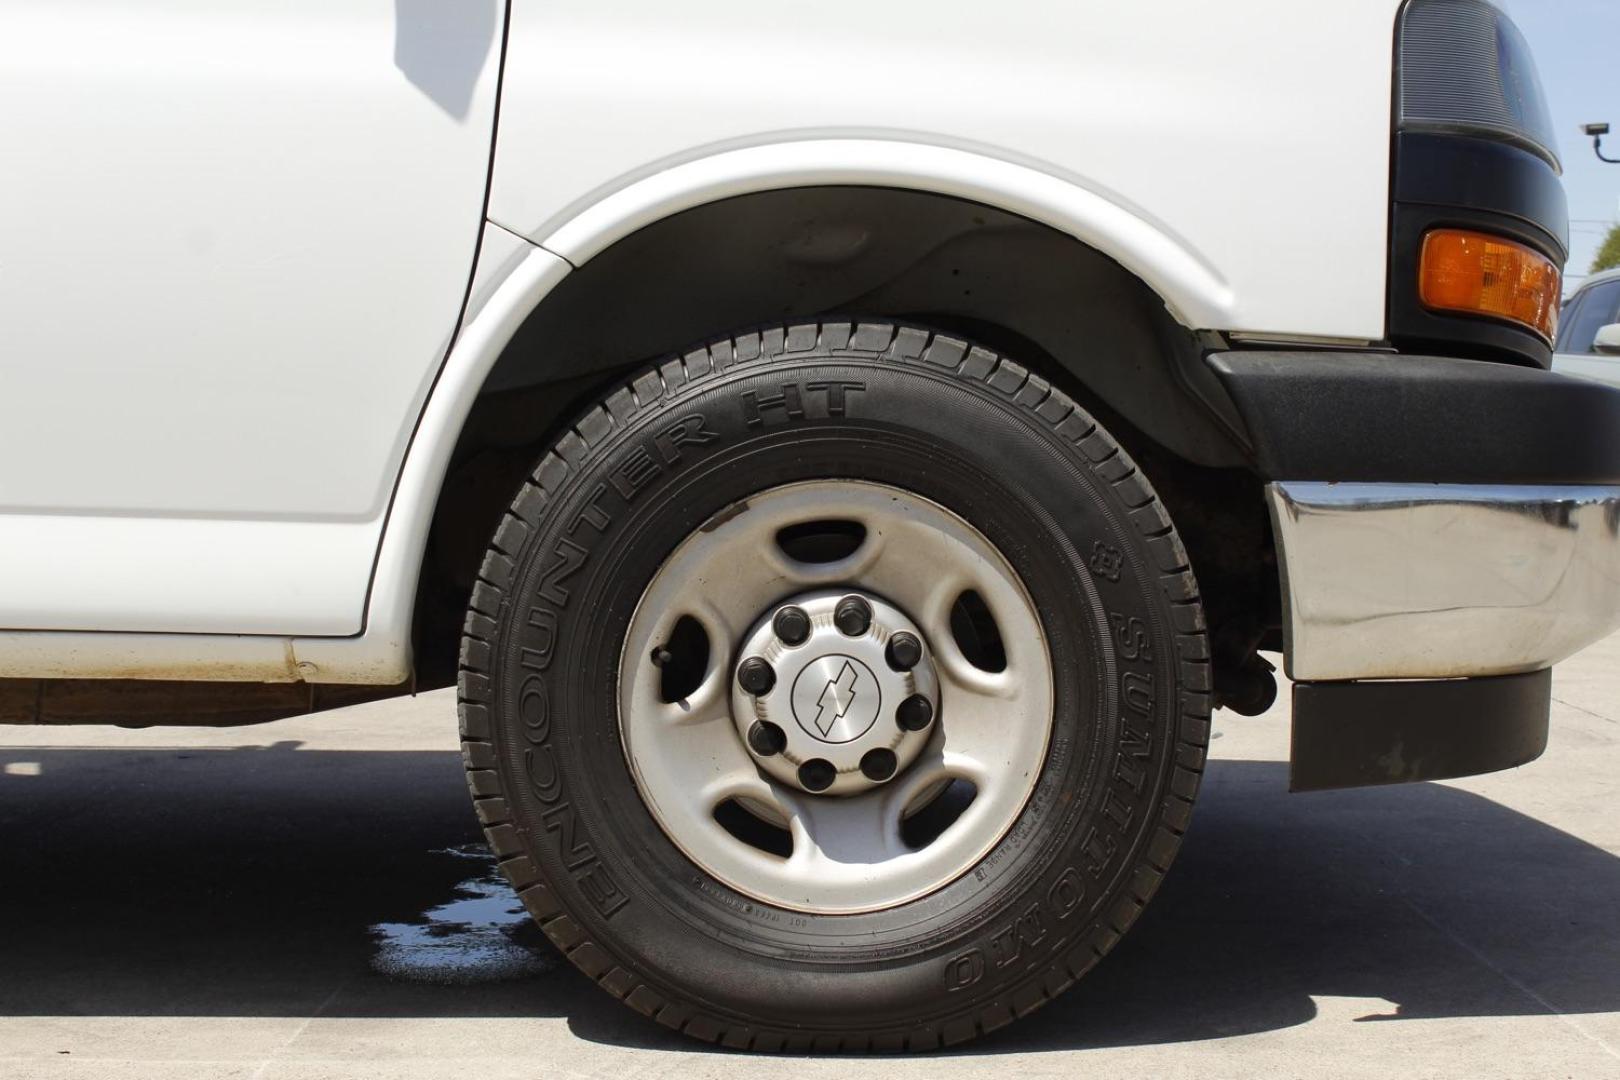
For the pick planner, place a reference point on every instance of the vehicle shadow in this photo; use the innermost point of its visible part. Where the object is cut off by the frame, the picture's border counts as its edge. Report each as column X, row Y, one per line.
column 443, row 48
column 248, row 882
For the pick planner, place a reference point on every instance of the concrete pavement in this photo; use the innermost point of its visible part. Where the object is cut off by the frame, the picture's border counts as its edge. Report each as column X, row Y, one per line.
column 307, row 899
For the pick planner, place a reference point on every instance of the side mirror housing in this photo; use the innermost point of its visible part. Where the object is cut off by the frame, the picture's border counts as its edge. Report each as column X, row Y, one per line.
column 1607, row 341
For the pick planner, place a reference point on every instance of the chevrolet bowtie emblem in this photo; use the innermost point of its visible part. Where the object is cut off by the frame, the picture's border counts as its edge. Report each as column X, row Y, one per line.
column 837, row 697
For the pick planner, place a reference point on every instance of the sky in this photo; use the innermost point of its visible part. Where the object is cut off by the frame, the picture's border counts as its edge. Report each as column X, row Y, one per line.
column 1577, row 47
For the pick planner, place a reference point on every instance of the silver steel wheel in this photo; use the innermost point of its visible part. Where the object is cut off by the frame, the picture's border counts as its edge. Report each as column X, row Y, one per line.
column 836, row 697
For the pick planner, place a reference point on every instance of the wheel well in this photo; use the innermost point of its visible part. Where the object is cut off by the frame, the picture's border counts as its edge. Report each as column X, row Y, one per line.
column 1016, row 286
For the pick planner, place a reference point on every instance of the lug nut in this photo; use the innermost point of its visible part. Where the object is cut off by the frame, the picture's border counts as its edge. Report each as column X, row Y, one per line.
column 904, row 651
column 878, row 764
column 817, row 774
column 852, row 616
column 766, row 739
column 755, row 676
column 914, row 713
column 792, row 625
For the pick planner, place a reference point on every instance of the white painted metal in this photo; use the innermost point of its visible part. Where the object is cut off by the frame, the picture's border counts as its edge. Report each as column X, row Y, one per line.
column 381, row 654
column 1601, row 364
column 499, row 253
column 234, row 239
column 848, row 854
column 1194, row 290
column 234, row 243
column 131, row 572
column 1595, row 366
column 1235, row 154
column 58, row 654
column 1590, row 359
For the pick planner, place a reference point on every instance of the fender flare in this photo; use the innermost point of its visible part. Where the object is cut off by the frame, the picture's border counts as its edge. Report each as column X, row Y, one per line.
column 521, row 267
column 1190, row 285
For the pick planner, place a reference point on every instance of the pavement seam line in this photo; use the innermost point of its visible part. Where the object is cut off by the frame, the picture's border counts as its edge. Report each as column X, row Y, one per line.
column 1508, row 978
column 1588, row 712
column 308, row 1020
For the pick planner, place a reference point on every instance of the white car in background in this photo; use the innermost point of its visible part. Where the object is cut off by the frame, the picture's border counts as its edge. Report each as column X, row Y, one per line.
column 1589, row 335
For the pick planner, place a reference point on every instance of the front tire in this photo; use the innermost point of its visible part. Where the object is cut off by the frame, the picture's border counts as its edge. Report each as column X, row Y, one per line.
column 774, row 888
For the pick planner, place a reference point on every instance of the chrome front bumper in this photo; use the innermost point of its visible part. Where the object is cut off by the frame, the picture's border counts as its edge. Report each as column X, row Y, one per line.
column 1431, row 581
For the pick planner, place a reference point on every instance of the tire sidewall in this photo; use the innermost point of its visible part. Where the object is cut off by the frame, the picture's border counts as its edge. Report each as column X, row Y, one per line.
column 1049, row 888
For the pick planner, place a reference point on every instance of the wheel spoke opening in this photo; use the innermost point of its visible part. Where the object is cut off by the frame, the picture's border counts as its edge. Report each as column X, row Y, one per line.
column 759, row 672
column 935, row 810
column 746, row 826
column 682, row 660
column 976, row 634
column 818, row 542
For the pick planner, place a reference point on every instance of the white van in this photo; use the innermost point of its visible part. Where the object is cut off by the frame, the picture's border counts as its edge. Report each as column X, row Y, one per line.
column 842, row 454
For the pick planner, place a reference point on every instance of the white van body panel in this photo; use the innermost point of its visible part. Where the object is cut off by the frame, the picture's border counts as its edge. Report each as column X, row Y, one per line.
column 514, row 277
column 249, row 230
column 1210, row 125
column 235, row 240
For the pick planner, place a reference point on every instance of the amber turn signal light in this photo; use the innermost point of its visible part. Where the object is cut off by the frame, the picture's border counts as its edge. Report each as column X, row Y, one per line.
column 1480, row 274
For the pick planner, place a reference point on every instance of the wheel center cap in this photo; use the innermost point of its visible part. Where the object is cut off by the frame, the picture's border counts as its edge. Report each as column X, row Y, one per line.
column 836, row 698
column 835, row 693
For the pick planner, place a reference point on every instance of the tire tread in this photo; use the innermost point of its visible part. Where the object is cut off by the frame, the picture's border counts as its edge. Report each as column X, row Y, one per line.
column 1108, row 461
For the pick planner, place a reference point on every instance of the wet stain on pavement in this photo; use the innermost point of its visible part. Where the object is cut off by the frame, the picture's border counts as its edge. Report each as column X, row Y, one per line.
column 480, row 934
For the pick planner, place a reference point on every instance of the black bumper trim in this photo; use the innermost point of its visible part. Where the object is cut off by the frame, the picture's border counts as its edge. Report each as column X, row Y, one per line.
column 1360, row 734
column 1396, row 418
